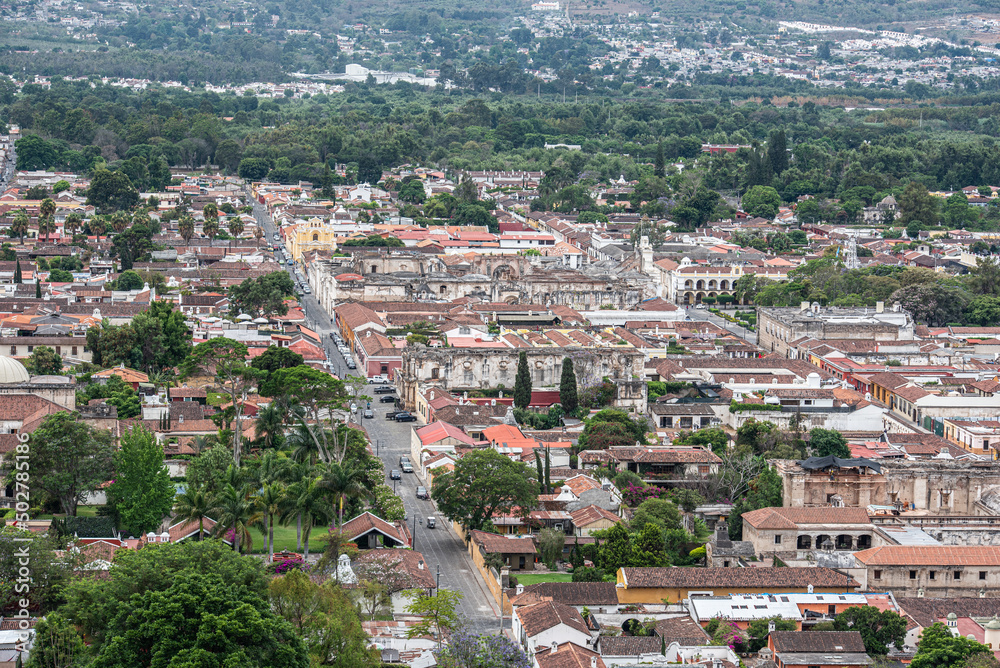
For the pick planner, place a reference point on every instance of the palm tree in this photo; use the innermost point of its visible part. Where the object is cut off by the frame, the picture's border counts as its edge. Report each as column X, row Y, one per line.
column 73, row 222
column 211, row 227
column 193, row 505
column 235, row 229
column 270, row 425
column 46, row 226
column 19, row 227
column 311, row 501
column 270, row 499
column 47, row 208
column 119, row 221
column 161, row 378
column 258, row 233
column 345, row 482
column 296, row 475
column 185, row 225
column 235, row 512
column 98, row 227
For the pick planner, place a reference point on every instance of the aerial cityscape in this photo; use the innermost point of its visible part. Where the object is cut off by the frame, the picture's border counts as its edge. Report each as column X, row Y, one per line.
column 542, row 334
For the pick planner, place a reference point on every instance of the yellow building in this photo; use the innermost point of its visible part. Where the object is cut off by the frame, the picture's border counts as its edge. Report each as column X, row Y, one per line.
column 654, row 585
column 314, row 234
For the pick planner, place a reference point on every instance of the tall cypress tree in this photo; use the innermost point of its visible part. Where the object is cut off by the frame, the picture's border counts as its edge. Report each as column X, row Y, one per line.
column 660, row 165
column 777, row 152
column 522, row 382
column 567, row 387
column 38, row 287
column 17, row 273
column 541, row 475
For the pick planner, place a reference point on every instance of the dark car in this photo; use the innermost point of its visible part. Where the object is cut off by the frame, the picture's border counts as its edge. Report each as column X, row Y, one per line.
column 385, row 389
column 422, row 493
column 391, row 415
column 388, row 399
column 395, row 475
column 403, row 416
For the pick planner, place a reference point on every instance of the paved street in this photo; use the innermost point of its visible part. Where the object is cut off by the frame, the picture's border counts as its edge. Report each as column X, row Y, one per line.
column 440, row 546
column 738, row 330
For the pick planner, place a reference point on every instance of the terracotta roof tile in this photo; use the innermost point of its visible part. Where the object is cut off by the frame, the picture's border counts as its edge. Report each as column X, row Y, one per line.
column 817, row 641
column 543, row 616
column 937, row 555
column 751, row 578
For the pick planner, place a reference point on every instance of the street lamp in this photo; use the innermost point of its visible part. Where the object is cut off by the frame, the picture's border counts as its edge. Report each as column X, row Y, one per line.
column 414, row 531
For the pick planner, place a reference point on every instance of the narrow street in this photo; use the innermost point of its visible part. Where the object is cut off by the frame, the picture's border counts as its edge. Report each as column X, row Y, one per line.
column 441, row 546
column 738, row 330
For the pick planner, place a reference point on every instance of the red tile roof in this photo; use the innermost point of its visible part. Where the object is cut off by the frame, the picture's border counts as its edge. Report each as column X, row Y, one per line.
column 937, row 555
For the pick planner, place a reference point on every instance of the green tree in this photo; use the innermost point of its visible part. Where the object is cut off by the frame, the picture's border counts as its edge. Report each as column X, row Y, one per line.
column 759, row 630
column 326, row 617
column 660, row 513
column 263, row 296
column 984, row 278
column 51, row 569
column 439, row 613
column 827, row 442
column 762, row 201
column 550, row 544
column 195, row 602
column 714, row 438
column 916, row 205
column 275, row 358
column 484, row 483
column 19, row 226
column 413, row 192
column 522, row 382
column 44, row 361
column 983, row 311
column 225, row 360
column 194, row 505
column 57, row 644
column 142, row 493
column 957, row 212
column 253, row 169
column 764, row 492
column 777, row 151
column 938, row 648
column 18, row 277
column 112, row 191
column 648, row 547
column 879, row 628
column 208, row 470
column 616, row 550
column 234, row 512
column 68, row 459
column 567, row 386
column 659, row 163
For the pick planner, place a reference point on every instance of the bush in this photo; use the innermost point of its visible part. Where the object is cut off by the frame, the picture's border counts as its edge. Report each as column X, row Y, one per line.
column 588, row 574
column 84, row 527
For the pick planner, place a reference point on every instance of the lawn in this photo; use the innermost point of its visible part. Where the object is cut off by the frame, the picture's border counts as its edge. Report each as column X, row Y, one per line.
column 535, row 578
column 284, row 539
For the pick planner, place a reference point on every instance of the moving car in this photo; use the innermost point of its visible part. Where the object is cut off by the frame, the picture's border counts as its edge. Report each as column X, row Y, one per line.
column 431, row 521
column 405, row 417
column 388, row 399
column 395, row 475
column 369, row 413
column 422, row 493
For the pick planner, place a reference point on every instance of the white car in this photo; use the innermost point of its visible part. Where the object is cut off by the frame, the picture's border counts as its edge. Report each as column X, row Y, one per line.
column 378, row 380
column 701, row 306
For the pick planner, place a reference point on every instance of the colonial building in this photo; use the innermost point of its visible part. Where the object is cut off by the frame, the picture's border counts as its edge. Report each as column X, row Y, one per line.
column 930, row 570
column 453, row 369
column 779, row 328
column 794, row 533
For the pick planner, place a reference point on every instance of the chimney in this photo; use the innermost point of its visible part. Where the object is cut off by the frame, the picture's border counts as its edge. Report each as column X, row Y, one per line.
column 520, row 590
column 554, row 647
column 593, row 662
column 420, row 564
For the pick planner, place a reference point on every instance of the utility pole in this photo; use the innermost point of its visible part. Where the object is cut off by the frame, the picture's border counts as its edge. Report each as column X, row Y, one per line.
column 438, row 586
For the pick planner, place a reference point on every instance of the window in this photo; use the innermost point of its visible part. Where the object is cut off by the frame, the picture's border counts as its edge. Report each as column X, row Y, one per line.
column 58, row 350
column 705, row 470
column 435, row 373
column 877, row 575
column 958, row 575
column 725, row 564
column 831, row 610
column 30, row 348
column 13, row 351
column 74, row 351
column 982, row 575
column 913, row 575
column 777, row 539
column 315, row 237
column 931, row 574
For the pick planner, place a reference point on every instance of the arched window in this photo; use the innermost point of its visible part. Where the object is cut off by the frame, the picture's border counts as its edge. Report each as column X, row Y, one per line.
column 315, row 237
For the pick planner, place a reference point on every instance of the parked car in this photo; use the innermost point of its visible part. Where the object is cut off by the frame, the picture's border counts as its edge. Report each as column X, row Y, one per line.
column 388, row 399
column 395, row 475
column 404, row 458
column 391, row 415
column 422, row 493
column 369, row 413
column 385, row 389
column 378, row 380
column 351, row 364
column 405, row 417
column 407, row 467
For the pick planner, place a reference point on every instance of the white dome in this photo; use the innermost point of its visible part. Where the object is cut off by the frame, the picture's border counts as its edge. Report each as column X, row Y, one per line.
column 12, row 371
